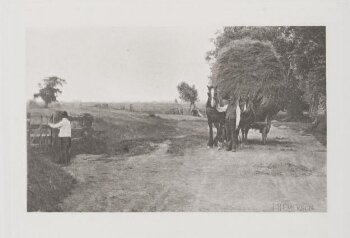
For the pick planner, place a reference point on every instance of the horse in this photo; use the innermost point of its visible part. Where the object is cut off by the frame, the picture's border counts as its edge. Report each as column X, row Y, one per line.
column 256, row 117
column 233, row 121
column 214, row 117
column 248, row 117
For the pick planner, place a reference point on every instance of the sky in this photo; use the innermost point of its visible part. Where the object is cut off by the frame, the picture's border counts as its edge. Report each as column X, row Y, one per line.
column 116, row 64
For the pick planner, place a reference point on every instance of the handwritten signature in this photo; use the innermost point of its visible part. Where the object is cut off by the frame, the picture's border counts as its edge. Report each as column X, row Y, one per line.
column 292, row 207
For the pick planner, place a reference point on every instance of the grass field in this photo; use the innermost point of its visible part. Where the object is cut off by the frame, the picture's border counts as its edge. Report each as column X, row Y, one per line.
column 141, row 107
column 160, row 163
column 124, row 133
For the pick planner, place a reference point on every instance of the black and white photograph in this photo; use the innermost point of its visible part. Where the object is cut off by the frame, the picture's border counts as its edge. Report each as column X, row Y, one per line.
column 177, row 119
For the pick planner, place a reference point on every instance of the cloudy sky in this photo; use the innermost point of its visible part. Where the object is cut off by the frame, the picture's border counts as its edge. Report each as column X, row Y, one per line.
column 119, row 64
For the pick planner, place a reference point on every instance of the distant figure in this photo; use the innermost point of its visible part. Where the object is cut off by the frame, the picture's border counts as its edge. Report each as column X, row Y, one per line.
column 65, row 138
column 131, row 108
column 195, row 112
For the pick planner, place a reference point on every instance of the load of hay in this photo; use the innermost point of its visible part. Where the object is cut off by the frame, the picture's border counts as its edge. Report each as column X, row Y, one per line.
column 249, row 68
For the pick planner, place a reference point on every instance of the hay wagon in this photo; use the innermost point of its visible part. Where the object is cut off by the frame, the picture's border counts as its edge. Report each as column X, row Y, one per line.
column 264, row 128
column 250, row 70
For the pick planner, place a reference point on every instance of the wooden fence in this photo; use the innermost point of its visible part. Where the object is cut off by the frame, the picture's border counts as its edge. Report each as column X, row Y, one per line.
column 42, row 138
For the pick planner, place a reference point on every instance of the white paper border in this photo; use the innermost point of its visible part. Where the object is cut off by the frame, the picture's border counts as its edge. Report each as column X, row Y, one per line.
column 17, row 15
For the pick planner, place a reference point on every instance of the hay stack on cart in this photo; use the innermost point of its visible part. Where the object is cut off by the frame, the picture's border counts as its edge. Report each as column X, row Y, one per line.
column 251, row 69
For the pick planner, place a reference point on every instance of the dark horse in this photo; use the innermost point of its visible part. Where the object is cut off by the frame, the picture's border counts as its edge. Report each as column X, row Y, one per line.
column 214, row 117
column 257, row 116
column 248, row 116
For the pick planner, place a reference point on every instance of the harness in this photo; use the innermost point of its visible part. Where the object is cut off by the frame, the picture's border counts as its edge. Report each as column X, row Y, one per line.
column 221, row 109
column 251, row 115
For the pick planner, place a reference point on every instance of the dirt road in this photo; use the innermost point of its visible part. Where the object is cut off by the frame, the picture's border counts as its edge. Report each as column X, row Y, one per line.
column 286, row 175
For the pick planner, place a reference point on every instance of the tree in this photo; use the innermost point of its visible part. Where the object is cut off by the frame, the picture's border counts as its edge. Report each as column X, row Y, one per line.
column 302, row 53
column 49, row 89
column 188, row 93
column 310, row 64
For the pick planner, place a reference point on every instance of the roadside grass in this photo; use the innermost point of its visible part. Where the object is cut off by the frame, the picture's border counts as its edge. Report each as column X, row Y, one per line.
column 47, row 184
column 319, row 130
column 142, row 137
column 320, row 136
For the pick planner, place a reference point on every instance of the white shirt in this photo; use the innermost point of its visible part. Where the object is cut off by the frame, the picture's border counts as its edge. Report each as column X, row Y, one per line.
column 64, row 126
column 238, row 112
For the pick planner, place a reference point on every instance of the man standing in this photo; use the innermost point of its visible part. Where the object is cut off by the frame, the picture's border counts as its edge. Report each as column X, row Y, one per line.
column 64, row 137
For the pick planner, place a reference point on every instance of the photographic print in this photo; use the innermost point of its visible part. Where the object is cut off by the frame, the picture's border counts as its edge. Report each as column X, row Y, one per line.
column 176, row 119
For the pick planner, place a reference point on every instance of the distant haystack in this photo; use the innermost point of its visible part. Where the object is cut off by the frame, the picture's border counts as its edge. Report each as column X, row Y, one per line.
column 249, row 68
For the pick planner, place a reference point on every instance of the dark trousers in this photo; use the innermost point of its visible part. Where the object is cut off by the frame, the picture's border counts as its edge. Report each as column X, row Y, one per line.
column 65, row 145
